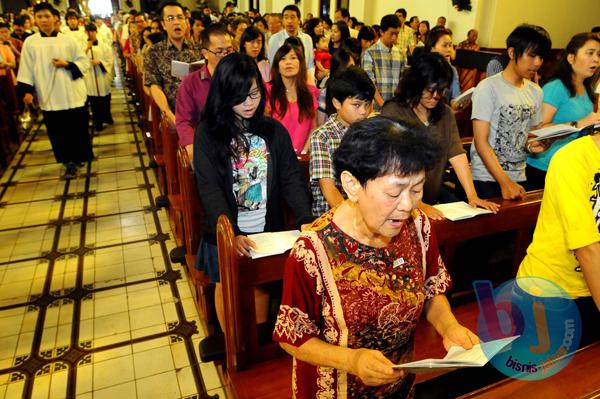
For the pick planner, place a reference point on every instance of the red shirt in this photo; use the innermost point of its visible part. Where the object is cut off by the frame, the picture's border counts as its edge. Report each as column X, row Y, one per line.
column 191, row 98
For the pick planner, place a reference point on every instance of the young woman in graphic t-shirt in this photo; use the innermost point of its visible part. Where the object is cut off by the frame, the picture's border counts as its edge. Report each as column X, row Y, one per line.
column 244, row 163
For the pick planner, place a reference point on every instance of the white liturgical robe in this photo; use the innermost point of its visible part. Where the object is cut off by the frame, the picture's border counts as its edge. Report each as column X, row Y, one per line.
column 55, row 88
column 99, row 78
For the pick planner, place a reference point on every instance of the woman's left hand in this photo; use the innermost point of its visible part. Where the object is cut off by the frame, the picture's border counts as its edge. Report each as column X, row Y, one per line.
column 459, row 335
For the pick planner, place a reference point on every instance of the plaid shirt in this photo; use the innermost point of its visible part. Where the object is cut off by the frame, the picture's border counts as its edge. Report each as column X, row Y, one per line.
column 406, row 39
column 384, row 66
column 323, row 143
column 157, row 66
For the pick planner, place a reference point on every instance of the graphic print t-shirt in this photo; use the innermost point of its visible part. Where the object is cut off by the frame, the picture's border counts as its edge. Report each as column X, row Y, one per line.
column 512, row 112
column 569, row 217
column 250, row 185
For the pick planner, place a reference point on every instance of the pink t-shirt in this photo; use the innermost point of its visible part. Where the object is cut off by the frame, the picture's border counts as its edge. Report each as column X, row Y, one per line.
column 298, row 130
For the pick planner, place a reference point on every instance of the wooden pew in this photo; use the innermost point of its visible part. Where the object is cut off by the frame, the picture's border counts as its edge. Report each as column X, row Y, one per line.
column 579, row 379
column 173, row 190
column 158, row 161
column 193, row 216
column 520, row 216
column 254, row 370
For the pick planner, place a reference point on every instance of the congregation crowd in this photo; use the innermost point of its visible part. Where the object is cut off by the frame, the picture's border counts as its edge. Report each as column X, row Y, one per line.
column 374, row 109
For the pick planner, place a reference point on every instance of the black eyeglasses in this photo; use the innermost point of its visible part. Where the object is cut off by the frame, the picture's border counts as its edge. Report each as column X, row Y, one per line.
column 222, row 52
column 440, row 91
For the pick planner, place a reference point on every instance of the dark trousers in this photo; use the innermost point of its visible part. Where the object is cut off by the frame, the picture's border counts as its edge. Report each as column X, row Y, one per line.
column 590, row 319
column 100, row 109
column 536, row 178
column 69, row 135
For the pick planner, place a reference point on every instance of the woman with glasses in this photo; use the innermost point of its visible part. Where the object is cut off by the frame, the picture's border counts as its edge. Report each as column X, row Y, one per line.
column 420, row 99
column 253, row 44
column 245, row 166
column 292, row 101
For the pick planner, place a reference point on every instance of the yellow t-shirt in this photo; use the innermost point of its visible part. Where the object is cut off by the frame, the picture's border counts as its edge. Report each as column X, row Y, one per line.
column 569, row 217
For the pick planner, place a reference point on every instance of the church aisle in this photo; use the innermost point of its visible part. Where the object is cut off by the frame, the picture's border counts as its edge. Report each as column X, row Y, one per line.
column 90, row 306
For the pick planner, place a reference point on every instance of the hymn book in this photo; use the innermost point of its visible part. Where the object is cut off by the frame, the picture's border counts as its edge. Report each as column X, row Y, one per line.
column 559, row 130
column 180, row 69
column 268, row 244
column 460, row 210
column 458, row 357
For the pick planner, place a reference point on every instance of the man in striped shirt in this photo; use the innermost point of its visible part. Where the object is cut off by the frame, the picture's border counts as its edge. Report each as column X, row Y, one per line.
column 383, row 61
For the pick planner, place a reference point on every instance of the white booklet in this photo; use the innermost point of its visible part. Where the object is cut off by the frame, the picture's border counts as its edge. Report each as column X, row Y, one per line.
column 180, row 69
column 268, row 244
column 559, row 130
column 460, row 210
column 464, row 98
column 458, row 357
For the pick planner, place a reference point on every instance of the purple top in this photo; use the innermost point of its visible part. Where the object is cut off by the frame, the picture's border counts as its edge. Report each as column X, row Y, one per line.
column 191, row 98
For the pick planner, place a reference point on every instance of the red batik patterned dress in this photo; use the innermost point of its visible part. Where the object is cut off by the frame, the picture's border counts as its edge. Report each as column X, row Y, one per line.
column 353, row 295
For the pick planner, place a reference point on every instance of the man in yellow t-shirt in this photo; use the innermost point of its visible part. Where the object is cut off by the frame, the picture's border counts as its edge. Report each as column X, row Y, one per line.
column 566, row 242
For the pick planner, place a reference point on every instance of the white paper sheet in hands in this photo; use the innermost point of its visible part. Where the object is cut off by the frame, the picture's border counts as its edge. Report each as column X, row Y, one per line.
column 268, row 244
column 458, row 357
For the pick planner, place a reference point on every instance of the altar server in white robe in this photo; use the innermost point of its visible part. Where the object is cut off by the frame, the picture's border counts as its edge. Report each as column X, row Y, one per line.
column 52, row 65
column 73, row 28
column 99, row 77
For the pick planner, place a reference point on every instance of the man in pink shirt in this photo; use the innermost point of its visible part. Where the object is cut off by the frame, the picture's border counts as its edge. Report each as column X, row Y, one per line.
column 193, row 90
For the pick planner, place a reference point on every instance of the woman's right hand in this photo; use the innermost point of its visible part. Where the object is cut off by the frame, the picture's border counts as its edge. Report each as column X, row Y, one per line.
column 243, row 245
column 373, row 368
column 28, row 98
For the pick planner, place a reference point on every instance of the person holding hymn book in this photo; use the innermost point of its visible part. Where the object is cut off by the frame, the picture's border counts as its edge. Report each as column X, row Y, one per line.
column 351, row 93
column 566, row 242
column 98, row 79
column 193, row 91
column 53, row 65
column 158, row 62
column 245, row 166
column 506, row 106
column 568, row 99
column 358, row 279
column 420, row 100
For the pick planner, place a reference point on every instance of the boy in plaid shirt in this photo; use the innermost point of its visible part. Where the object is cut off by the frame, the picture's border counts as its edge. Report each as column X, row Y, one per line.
column 351, row 92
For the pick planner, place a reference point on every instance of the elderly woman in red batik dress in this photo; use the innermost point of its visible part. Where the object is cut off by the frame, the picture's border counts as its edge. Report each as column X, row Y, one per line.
column 357, row 281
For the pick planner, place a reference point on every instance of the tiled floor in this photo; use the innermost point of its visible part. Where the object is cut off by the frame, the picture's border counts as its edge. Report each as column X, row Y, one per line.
column 90, row 306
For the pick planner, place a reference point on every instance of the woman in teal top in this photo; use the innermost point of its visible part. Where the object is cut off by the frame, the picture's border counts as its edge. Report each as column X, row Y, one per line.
column 568, row 99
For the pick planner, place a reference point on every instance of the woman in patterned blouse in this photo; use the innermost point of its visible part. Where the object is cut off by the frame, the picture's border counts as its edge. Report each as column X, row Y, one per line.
column 356, row 282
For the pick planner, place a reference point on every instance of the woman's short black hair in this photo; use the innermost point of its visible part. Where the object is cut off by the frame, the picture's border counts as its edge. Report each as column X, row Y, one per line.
column 431, row 71
column 252, row 33
column 434, row 35
column 381, row 146
column 529, row 38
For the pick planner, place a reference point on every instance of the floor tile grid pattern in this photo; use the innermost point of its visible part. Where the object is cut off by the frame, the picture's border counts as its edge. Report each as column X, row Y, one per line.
column 62, row 287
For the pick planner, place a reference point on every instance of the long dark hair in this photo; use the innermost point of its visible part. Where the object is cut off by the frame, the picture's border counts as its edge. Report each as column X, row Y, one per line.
column 278, row 100
column 428, row 70
column 252, row 33
column 344, row 33
column 229, row 87
column 564, row 71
